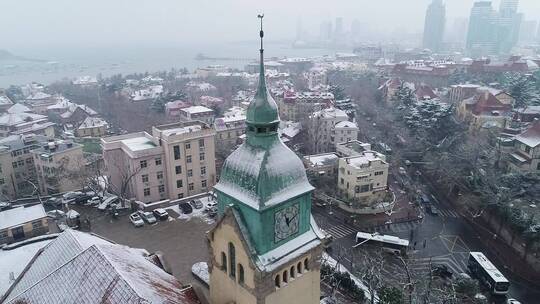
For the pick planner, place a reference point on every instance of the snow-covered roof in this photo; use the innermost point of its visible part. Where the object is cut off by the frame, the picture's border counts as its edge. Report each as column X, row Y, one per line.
column 322, row 159
column 38, row 96
column 62, row 104
column 531, row 137
column 138, row 143
column 14, row 261
column 18, row 108
column 331, row 113
column 364, row 159
column 4, row 100
column 21, row 215
column 85, row 80
column 346, row 124
column 12, row 119
column 197, row 109
column 93, row 270
column 289, row 129
column 93, row 122
column 181, row 130
column 201, row 86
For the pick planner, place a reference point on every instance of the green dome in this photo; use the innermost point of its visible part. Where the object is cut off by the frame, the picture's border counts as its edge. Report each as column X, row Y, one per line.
column 263, row 109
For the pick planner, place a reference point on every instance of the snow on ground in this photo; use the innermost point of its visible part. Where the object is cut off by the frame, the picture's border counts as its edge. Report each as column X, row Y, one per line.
column 13, row 262
column 200, row 270
column 200, row 213
column 327, row 259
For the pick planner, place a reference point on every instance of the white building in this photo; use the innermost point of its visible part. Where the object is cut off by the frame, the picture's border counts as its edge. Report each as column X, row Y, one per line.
column 200, row 113
column 329, row 127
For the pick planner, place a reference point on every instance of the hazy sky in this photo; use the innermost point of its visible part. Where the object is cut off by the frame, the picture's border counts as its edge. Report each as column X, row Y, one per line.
column 44, row 23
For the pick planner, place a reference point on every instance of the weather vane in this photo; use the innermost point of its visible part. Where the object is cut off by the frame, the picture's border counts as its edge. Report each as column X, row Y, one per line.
column 261, row 33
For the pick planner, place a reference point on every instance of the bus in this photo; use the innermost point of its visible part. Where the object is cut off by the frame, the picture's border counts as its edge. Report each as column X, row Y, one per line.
column 487, row 273
column 388, row 243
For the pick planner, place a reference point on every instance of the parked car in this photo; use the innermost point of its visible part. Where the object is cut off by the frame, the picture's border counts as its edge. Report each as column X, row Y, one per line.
column 432, row 210
column 210, row 206
column 424, row 199
column 213, row 211
column 71, row 195
column 107, row 202
column 161, row 213
column 93, row 201
column 81, row 198
column 442, row 271
column 197, row 204
column 53, row 201
column 148, row 217
column 136, row 220
column 185, row 208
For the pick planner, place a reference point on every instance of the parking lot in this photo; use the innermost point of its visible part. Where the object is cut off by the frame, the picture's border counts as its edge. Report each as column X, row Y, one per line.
column 182, row 238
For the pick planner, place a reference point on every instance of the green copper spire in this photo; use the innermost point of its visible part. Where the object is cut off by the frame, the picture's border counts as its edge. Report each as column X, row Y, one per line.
column 262, row 114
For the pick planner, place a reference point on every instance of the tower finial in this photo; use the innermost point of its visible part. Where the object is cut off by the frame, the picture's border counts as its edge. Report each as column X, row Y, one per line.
column 261, row 33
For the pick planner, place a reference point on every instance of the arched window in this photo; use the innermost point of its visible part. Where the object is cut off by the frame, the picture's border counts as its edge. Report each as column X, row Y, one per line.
column 285, row 277
column 240, row 273
column 232, row 260
column 292, row 272
column 223, row 261
column 306, row 264
column 299, row 267
column 277, row 281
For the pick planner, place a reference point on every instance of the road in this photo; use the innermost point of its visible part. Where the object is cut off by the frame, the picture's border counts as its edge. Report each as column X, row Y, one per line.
column 448, row 240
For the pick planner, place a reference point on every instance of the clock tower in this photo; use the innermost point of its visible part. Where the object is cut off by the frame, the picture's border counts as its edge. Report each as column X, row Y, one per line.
column 265, row 247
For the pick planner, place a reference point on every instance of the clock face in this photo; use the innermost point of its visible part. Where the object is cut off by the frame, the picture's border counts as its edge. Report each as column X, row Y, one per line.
column 286, row 222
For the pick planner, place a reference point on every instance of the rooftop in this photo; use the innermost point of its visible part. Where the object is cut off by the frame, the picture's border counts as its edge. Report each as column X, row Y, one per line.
column 21, row 215
column 139, row 143
column 4, row 100
column 531, row 137
column 322, row 159
column 197, row 109
column 364, row 159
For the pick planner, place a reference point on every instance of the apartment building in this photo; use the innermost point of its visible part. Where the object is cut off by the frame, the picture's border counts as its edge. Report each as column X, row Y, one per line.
column 297, row 106
column 230, row 128
column 177, row 160
column 362, row 178
column 17, row 170
column 328, row 127
column 22, row 222
column 487, row 108
column 60, row 166
column 200, row 113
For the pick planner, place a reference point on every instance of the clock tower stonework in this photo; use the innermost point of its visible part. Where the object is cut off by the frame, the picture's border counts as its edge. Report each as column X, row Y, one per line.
column 265, row 247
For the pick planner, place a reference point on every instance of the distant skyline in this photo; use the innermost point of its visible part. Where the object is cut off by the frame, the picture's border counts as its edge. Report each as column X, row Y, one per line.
column 99, row 23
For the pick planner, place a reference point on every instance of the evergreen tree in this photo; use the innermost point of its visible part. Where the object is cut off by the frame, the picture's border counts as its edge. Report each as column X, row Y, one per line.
column 523, row 88
column 159, row 103
column 391, row 295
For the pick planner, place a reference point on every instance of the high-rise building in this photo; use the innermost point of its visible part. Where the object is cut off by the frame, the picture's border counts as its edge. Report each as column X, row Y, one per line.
column 482, row 32
column 265, row 247
column 434, row 25
column 527, row 32
column 509, row 22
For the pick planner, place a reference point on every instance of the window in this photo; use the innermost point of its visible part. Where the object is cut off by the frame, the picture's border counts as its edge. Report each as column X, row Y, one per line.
column 178, row 169
column 180, row 195
column 223, row 261
column 203, row 183
column 20, row 162
column 277, row 281
column 191, row 187
column 1, row 181
column 356, row 189
column 201, row 142
column 146, row 191
column 299, row 267
column 342, row 181
column 201, row 156
column 203, row 170
column 306, row 265
column 29, row 161
column 158, row 161
column 188, row 146
column 143, row 164
column 37, row 224
column 232, row 260
column 188, row 159
column 159, row 175
column 14, row 164
column 179, row 184
column 379, row 173
column 285, row 277
column 364, row 188
column 292, row 272
column 240, row 274
column 144, row 178
column 161, row 188
column 176, row 151
column 189, row 172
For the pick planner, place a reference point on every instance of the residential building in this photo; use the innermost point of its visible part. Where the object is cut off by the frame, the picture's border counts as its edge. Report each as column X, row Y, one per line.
column 91, row 269
column 321, row 164
column 177, row 160
column 25, row 123
column 5, row 102
column 93, row 127
column 22, row 222
column 149, row 93
column 17, row 169
column 265, row 247
column 362, row 178
column 354, row 147
column 200, row 113
column 172, row 108
column 66, row 112
column 487, row 108
column 59, row 165
column 525, row 155
column 347, row 106
column 462, row 91
column 328, row 127
column 434, row 26
column 39, row 101
column 297, row 106
column 230, row 128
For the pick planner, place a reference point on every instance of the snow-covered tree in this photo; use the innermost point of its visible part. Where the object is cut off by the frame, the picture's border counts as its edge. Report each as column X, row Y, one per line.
column 522, row 88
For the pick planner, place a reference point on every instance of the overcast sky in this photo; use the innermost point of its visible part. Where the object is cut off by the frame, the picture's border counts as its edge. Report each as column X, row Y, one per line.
column 43, row 23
